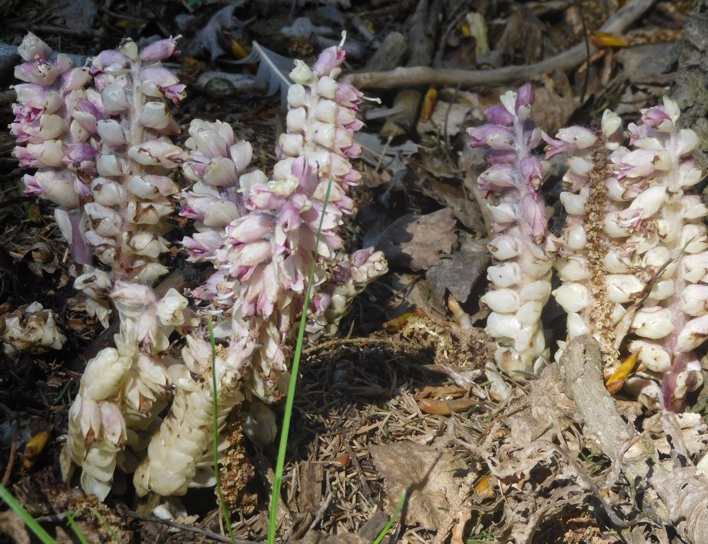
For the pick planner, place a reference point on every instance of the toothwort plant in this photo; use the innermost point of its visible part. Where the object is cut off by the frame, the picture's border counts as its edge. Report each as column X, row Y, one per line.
column 522, row 246
column 261, row 236
column 639, row 243
column 103, row 155
column 100, row 138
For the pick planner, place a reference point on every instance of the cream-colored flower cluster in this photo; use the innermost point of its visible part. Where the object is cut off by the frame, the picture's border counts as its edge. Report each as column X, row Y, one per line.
column 261, row 235
column 632, row 256
column 30, row 328
column 636, row 261
column 124, row 388
column 522, row 246
column 100, row 137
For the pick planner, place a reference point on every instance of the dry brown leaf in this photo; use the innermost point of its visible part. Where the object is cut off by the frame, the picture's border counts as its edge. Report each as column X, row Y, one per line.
column 685, row 494
column 550, row 111
column 687, row 436
column 524, row 33
column 445, row 407
column 446, row 118
column 646, row 63
column 460, row 272
column 13, row 525
column 429, row 476
column 418, row 242
column 437, row 181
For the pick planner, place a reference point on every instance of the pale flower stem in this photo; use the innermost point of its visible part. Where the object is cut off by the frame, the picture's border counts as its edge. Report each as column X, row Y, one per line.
column 80, row 252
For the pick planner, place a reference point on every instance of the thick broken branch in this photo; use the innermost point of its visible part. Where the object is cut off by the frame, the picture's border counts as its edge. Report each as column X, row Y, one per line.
column 582, row 362
column 422, row 75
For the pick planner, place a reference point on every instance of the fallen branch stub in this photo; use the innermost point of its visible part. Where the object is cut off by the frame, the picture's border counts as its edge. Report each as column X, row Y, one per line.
column 582, row 363
column 678, row 497
column 422, row 75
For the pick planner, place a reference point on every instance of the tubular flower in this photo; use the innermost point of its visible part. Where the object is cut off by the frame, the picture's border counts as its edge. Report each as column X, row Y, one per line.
column 124, row 388
column 47, row 135
column 522, row 246
column 261, row 236
column 656, row 241
column 591, row 266
column 103, row 152
column 30, row 328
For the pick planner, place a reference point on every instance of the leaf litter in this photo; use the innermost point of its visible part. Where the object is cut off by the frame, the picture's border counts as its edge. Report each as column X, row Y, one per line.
column 516, row 462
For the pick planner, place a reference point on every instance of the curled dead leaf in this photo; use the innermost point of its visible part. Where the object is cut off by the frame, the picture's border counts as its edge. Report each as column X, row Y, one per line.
column 429, row 102
column 484, row 489
column 616, row 381
column 446, row 407
column 395, row 325
column 33, row 448
column 342, row 461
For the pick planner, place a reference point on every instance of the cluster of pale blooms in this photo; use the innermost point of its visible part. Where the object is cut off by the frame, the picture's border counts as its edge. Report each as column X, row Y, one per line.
column 633, row 255
column 123, row 389
column 104, row 156
column 30, row 328
column 522, row 244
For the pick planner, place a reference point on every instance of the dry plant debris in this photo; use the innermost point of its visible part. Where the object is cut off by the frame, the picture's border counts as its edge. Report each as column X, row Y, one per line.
column 432, row 479
column 509, row 460
column 419, row 242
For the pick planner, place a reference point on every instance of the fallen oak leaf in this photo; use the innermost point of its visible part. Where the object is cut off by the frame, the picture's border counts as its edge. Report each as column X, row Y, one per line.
column 430, row 476
column 419, row 242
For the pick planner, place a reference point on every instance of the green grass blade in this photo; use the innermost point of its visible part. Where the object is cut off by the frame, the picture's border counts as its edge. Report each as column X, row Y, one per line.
column 282, row 449
column 390, row 523
column 33, row 526
column 75, row 528
column 105, row 523
column 215, row 431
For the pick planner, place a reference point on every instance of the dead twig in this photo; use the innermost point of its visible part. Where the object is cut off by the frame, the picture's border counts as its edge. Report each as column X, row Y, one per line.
column 191, row 528
column 13, row 454
column 319, row 516
column 362, row 477
column 582, row 362
column 422, row 75
column 55, row 29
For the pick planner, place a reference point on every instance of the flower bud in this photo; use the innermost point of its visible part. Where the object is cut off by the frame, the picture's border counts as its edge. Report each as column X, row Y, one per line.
column 159, row 50
column 33, row 48
column 302, row 74
column 111, row 132
column 155, row 115
column 115, row 100
column 653, row 322
column 505, row 301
